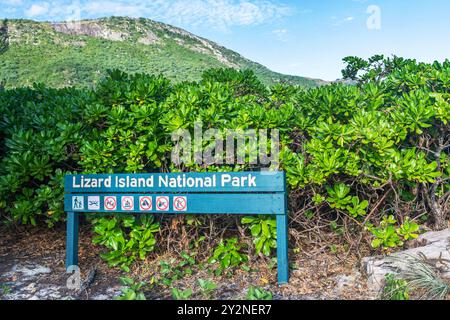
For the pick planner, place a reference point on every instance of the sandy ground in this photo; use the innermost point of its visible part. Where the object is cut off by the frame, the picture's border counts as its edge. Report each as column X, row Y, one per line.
column 32, row 267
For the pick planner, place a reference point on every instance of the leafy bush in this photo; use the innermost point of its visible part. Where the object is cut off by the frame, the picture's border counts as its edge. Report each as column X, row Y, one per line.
column 388, row 236
column 228, row 254
column 352, row 153
column 132, row 290
column 395, row 289
column 255, row 293
column 127, row 238
column 178, row 294
column 174, row 270
column 264, row 232
column 40, row 134
column 207, row 287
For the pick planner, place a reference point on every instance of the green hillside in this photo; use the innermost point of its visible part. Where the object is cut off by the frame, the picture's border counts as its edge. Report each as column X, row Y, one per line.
column 63, row 54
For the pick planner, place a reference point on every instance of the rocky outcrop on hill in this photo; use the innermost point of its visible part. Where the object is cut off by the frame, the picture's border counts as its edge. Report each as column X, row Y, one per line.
column 91, row 29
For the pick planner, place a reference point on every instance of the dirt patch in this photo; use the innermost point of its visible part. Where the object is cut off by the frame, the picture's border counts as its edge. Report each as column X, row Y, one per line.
column 32, row 267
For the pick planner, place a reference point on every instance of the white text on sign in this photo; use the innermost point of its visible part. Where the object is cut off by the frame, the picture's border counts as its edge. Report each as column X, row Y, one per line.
column 180, row 181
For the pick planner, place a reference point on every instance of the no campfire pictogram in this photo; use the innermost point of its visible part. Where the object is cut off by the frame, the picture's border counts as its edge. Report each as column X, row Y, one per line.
column 145, row 203
column 110, row 203
column 180, row 203
column 162, row 203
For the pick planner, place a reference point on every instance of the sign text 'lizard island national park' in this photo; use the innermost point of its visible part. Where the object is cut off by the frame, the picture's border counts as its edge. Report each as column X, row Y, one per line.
column 164, row 181
column 178, row 193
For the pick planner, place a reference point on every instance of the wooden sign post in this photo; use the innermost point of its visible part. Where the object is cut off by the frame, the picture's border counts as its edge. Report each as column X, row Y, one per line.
column 244, row 193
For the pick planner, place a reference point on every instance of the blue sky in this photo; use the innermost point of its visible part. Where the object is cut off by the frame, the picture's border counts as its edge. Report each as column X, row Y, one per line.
column 301, row 37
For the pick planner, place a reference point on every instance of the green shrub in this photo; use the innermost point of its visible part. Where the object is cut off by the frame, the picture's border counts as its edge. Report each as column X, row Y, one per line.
column 207, row 287
column 379, row 147
column 255, row 293
column 395, row 289
column 264, row 233
column 126, row 237
column 177, row 269
column 132, row 290
column 228, row 254
column 388, row 236
column 40, row 134
column 178, row 294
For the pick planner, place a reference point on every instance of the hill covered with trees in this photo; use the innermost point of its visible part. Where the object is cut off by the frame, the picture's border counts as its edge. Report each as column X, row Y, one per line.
column 79, row 53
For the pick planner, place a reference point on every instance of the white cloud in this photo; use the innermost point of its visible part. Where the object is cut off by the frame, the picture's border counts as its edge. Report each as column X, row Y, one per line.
column 37, row 10
column 11, row 2
column 217, row 14
column 115, row 8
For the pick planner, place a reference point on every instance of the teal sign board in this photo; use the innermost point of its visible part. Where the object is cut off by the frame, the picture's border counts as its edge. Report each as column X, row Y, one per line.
column 242, row 193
